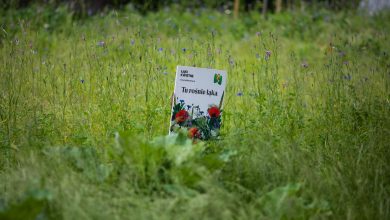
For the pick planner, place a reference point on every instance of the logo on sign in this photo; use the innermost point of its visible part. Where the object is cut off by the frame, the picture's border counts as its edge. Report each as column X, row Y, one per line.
column 218, row 78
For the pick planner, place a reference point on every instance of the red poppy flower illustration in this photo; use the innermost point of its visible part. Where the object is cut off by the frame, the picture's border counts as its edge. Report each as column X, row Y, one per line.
column 214, row 112
column 181, row 116
column 193, row 132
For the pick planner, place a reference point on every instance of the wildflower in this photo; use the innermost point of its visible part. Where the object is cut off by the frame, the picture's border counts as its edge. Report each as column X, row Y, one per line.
column 267, row 55
column 305, row 64
column 181, row 116
column 342, row 54
column 82, row 81
column 101, row 44
column 165, row 73
column 132, row 42
column 240, row 93
column 184, row 49
column 346, row 62
column 214, row 112
column 188, row 107
column 258, row 33
column 160, row 49
column 193, row 132
column 231, row 61
column 181, row 101
column 347, row 77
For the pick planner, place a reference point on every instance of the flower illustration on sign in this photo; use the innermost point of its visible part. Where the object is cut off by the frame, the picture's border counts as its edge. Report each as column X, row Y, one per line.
column 198, row 125
column 181, row 116
column 214, row 112
column 194, row 132
column 218, row 78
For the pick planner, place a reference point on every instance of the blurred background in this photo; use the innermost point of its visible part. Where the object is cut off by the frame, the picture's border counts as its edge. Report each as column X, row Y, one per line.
column 90, row 7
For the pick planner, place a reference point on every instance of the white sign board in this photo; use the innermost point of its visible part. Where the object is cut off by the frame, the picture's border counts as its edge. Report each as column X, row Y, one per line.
column 197, row 101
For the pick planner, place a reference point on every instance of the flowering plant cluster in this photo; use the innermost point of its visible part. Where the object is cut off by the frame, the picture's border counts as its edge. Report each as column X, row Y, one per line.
column 198, row 124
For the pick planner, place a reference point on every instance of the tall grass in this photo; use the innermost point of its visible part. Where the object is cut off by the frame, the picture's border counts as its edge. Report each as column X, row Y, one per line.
column 85, row 108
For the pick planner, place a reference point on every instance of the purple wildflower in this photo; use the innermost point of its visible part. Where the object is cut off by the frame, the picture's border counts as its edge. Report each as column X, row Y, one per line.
column 101, row 44
column 347, row 77
column 240, row 93
column 160, row 49
column 184, row 49
column 132, row 42
column 231, row 61
column 267, row 55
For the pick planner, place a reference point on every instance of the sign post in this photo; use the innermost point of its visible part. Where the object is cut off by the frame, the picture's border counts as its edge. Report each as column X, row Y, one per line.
column 197, row 101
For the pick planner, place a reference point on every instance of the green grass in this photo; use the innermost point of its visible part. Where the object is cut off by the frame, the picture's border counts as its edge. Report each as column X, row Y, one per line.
column 83, row 123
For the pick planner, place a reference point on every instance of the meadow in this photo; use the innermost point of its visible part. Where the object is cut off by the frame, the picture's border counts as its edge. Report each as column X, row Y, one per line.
column 85, row 111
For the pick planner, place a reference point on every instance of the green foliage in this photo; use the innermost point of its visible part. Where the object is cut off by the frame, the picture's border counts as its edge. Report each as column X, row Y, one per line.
column 33, row 205
column 286, row 203
column 85, row 110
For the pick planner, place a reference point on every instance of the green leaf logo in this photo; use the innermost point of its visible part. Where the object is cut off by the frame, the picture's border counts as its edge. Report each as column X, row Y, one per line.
column 218, row 78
